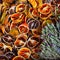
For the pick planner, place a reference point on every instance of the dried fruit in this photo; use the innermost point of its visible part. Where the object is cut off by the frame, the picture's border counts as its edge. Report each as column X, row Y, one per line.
column 21, row 41
column 33, row 42
column 8, row 39
column 45, row 9
column 10, row 55
column 34, row 24
column 44, row 17
column 33, row 13
column 29, row 29
column 18, row 58
column 25, row 52
column 24, row 28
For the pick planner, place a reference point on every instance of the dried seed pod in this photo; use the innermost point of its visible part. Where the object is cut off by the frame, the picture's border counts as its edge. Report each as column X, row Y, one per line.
column 34, row 24
column 7, row 39
column 25, row 52
column 10, row 55
column 21, row 41
column 23, row 28
column 28, row 20
column 3, row 57
column 33, row 41
column 45, row 9
column 18, row 58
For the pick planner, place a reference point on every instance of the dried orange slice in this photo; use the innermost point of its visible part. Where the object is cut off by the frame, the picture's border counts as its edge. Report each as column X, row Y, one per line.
column 25, row 52
column 18, row 18
column 23, row 28
column 15, row 16
column 21, row 40
column 33, row 12
column 33, row 42
column 45, row 9
column 44, row 17
column 18, row 58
